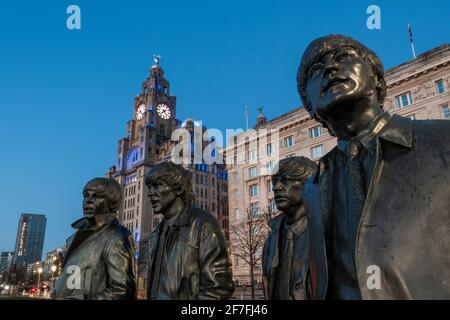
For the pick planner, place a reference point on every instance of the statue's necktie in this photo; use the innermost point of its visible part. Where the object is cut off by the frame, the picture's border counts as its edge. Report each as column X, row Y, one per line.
column 356, row 194
column 283, row 285
column 159, row 258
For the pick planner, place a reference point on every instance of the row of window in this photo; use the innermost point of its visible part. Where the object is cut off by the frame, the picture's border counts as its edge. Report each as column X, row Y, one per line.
column 205, row 206
column 201, row 179
column 203, row 168
column 130, row 179
column 406, row 99
column 200, row 192
column 445, row 111
column 129, row 214
column 132, row 190
column 288, row 142
column 130, row 202
column 315, row 153
column 130, row 226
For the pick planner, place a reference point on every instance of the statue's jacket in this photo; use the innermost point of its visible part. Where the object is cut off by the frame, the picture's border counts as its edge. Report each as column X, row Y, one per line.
column 403, row 239
column 300, row 261
column 198, row 261
column 99, row 264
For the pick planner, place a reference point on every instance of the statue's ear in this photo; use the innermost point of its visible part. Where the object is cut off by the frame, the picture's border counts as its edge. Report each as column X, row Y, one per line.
column 180, row 190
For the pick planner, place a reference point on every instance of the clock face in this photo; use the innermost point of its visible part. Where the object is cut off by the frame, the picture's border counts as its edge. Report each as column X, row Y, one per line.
column 140, row 112
column 163, row 111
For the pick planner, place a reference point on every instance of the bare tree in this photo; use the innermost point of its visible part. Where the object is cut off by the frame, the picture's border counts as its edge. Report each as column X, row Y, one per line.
column 248, row 239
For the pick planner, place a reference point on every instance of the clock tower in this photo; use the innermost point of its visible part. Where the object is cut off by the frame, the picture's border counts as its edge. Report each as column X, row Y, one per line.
column 148, row 142
column 153, row 121
column 154, row 114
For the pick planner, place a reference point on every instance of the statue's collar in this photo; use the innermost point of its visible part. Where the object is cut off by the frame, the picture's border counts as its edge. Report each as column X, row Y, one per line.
column 398, row 131
column 183, row 218
column 94, row 223
column 367, row 136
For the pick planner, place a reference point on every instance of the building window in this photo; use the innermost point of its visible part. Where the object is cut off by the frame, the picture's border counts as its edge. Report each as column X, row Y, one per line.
column 269, row 186
column 317, row 152
column 254, row 208
column 289, row 141
column 272, row 206
column 269, row 149
column 440, row 86
column 252, row 154
column 269, row 166
column 253, row 190
column 445, row 111
column 252, row 172
column 315, row 132
column 403, row 100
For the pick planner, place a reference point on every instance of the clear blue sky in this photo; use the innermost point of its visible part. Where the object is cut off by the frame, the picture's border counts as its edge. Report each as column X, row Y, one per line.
column 65, row 96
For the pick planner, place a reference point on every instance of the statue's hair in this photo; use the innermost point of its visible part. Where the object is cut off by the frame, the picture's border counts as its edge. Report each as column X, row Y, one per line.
column 174, row 175
column 300, row 168
column 323, row 45
column 110, row 188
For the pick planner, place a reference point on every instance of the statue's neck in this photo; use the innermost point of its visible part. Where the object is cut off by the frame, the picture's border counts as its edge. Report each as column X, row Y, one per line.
column 346, row 125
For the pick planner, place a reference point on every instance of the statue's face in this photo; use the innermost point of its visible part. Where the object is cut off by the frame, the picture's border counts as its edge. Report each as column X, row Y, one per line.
column 288, row 192
column 339, row 77
column 95, row 201
column 161, row 195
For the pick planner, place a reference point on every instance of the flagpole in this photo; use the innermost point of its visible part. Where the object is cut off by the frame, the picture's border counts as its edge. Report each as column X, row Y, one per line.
column 246, row 118
column 413, row 50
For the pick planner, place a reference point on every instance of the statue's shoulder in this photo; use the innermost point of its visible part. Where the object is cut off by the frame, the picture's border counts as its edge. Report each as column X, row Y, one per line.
column 324, row 166
column 118, row 232
column 432, row 132
column 202, row 217
column 276, row 222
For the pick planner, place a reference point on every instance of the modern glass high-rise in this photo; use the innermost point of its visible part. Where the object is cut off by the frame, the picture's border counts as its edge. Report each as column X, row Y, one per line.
column 29, row 241
column 5, row 264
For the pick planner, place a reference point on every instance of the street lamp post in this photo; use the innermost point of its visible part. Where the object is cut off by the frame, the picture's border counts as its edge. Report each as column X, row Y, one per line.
column 39, row 270
column 7, row 288
column 53, row 268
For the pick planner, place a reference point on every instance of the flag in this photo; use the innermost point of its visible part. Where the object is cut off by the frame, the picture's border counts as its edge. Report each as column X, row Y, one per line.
column 411, row 40
column 410, row 33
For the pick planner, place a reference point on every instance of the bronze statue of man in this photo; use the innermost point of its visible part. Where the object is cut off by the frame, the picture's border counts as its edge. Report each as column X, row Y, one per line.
column 286, row 251
column 188, row 258
column 99, row 263
column 379, row 202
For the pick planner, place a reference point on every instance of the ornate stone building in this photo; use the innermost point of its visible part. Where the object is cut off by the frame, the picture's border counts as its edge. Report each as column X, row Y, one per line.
column 419, row 89
column 148, row 142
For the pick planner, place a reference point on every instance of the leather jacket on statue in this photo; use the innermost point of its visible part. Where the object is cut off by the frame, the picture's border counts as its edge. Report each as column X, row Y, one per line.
column 196, row 264
column 99, row 264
